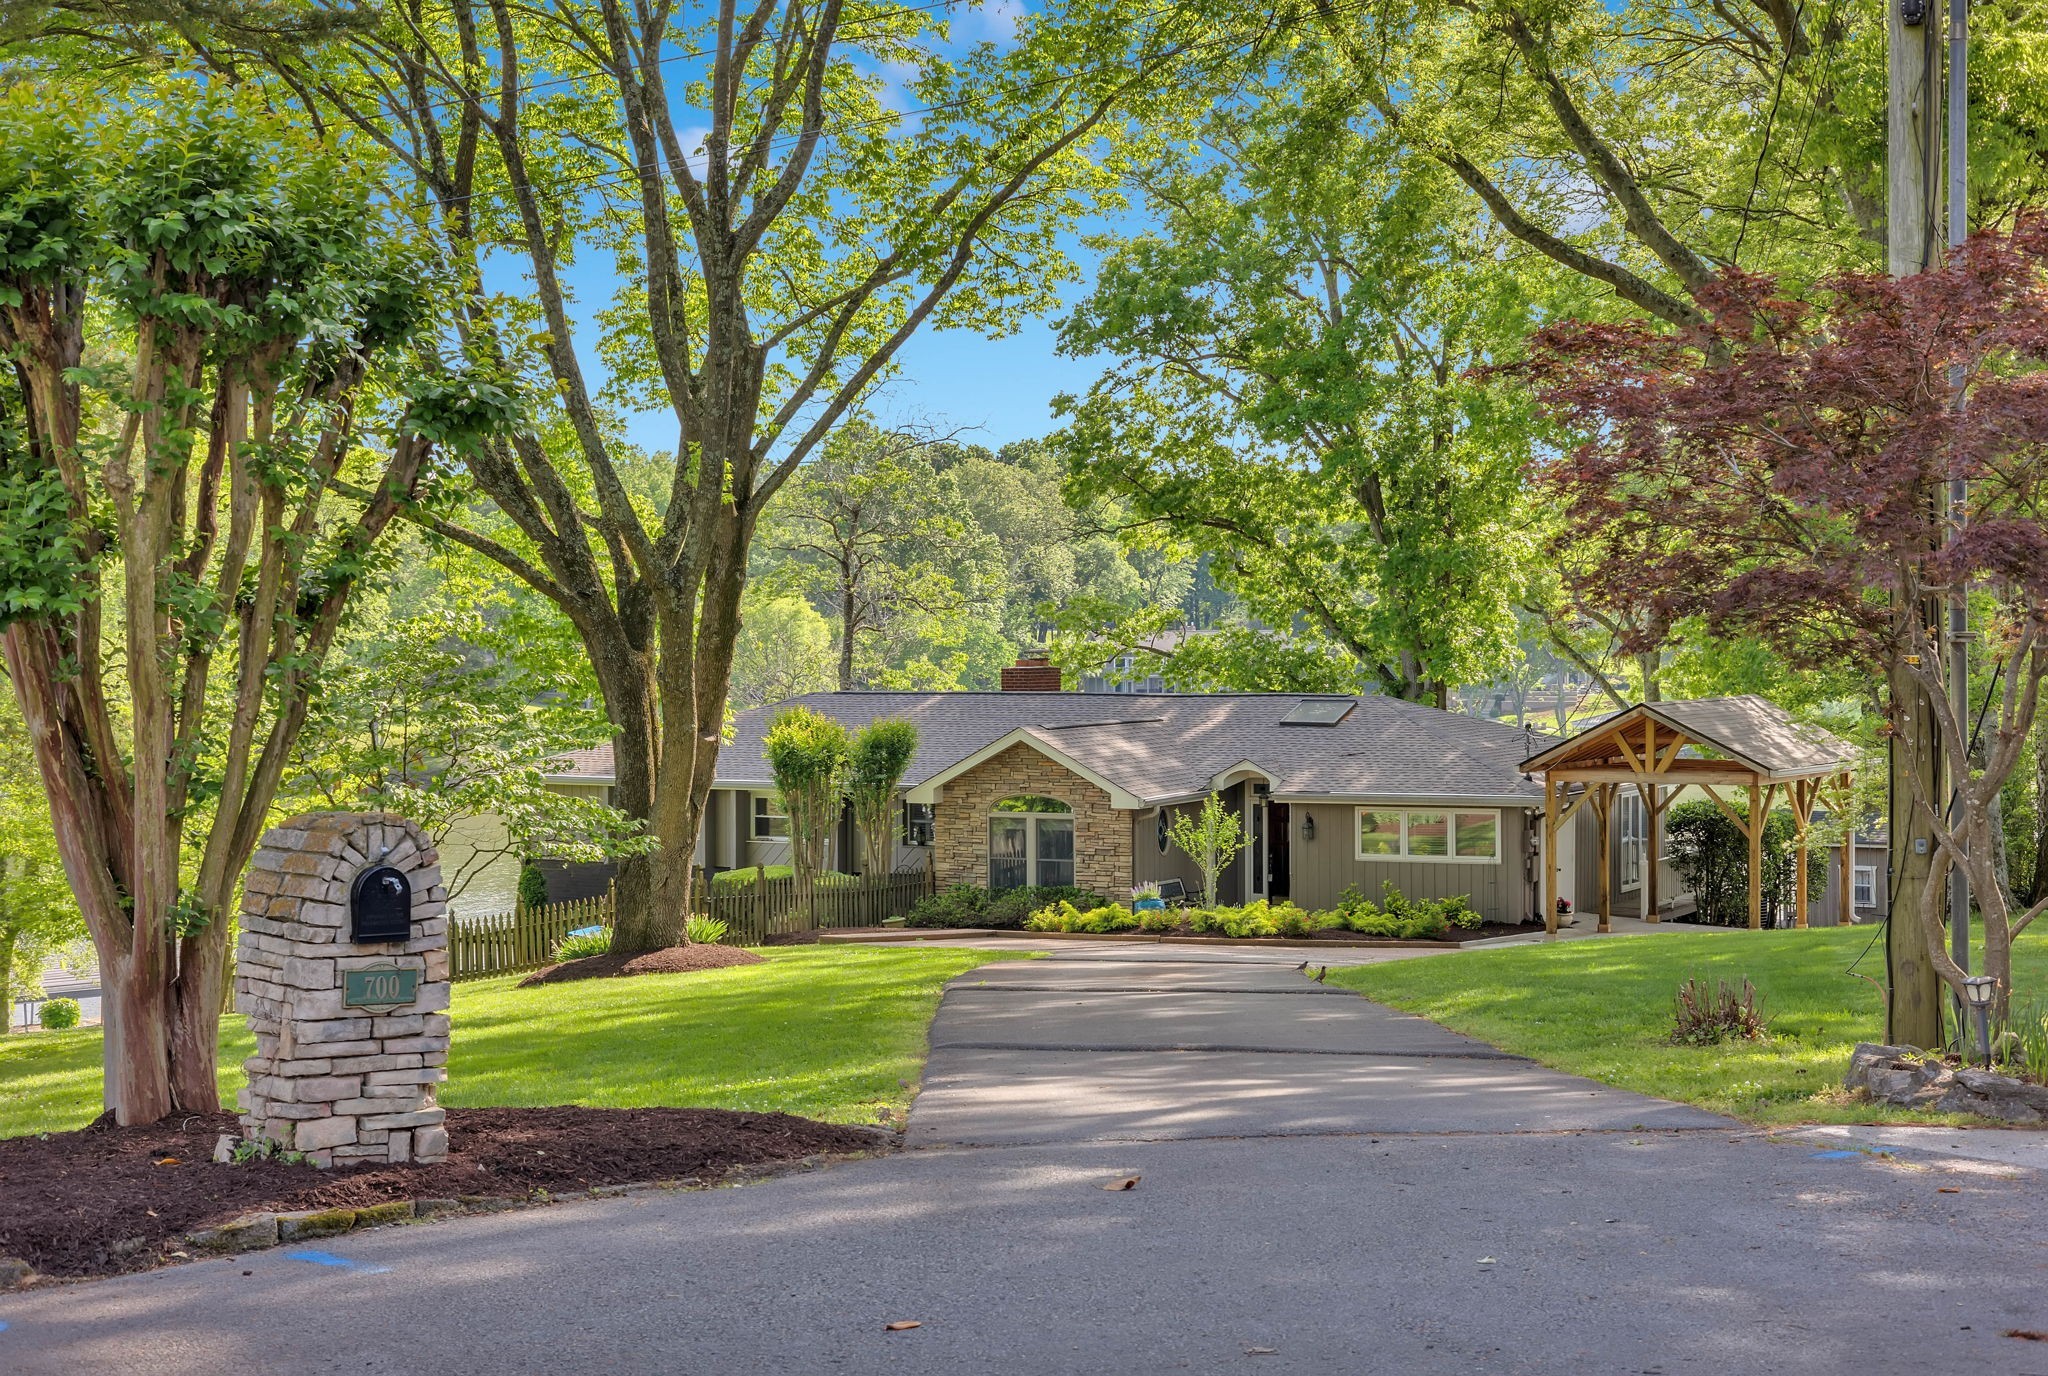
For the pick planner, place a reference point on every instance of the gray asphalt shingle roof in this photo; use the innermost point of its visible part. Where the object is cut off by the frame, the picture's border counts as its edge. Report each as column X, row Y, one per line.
column 1172, row 746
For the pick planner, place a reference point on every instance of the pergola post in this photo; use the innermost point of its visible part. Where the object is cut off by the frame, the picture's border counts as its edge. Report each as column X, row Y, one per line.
column 1756, row 856
column 1803, row 793
column 1549, row 855
column 1653, row 826
column 1846, row 900
column 1603, row 815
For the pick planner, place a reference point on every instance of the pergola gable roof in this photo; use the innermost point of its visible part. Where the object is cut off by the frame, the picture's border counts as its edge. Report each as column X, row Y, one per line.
column 1755, row 735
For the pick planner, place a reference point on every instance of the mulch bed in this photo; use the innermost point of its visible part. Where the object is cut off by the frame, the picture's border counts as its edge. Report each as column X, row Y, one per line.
column 108, row 1199
column 676, row 960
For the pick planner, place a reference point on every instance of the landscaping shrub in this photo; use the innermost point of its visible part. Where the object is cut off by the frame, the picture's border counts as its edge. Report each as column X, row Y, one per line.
column 970, row 905
column 1707, row 1016
column 1711, row 856
column 708, row 930
column 1065, row 916
column 60, row 1015
column 576, row 947
column 533, row 887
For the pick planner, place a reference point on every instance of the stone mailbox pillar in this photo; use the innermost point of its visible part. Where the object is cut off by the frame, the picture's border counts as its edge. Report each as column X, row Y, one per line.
column 342, row 970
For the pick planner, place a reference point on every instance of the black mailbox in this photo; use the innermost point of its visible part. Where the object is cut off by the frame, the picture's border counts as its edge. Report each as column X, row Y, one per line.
column 380, row 906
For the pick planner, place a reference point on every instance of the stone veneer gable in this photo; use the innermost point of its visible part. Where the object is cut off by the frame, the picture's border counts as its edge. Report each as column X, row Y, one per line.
column 1102, row 832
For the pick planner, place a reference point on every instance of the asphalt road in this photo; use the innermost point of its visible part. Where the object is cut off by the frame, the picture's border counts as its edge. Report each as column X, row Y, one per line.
column 1404, row 1203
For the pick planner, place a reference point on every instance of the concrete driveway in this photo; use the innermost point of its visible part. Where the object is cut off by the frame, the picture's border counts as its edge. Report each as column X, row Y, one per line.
column 1324, row 1187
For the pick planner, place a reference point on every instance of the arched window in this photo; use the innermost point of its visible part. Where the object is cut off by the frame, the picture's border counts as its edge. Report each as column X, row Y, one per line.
column 1030, row 841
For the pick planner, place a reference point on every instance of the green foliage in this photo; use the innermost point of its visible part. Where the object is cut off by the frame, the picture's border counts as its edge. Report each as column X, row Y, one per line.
column 970, row 905
column 808, row 754
column 880, row 755
column 707, row 930
column 533, row 886
column 1298, row 392
column 581, row 947
column 1711, row 856
column 1211, row 837
column 1065, row 916
column 447, row 704
column 249, row 1149
column 1401, row 917
column 60, row 1015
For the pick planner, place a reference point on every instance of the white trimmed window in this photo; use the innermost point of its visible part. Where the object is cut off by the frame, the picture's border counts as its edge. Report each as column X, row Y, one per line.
column 1030, row 842
column 1448, row 835
column 1866, row 886
column 770, row 821
column 1631, row 837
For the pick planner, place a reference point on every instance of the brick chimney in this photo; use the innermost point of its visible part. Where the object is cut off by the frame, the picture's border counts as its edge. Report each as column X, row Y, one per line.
column 1031, row 674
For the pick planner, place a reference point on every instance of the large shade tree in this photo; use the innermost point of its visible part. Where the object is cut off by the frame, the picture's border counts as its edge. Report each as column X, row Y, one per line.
column 1292, row 394
column 1775, row 476
column 198, row 305
column 784, row 193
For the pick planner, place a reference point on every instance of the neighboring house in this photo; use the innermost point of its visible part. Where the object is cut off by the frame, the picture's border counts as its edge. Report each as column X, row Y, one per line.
column 1120, row 673
column 1034, row 786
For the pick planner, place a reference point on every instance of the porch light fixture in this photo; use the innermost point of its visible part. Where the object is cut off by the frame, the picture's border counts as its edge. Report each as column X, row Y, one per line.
column 1978, row 992
column 1308, row 826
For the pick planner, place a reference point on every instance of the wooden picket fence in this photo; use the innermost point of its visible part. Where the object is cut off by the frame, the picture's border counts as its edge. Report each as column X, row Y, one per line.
column 524, row 939
column 769, row 907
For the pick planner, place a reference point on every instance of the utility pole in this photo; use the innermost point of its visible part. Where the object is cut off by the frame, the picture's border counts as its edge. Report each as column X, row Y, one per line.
column 1913, row 162
column 1958, row 490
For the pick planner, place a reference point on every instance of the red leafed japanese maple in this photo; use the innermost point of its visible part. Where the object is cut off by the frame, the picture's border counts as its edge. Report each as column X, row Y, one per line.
column 1776, row 472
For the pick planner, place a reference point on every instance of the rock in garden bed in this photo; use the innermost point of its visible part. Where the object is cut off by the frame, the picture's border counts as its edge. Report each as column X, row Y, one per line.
column 1911, row 1078
column 108, row 1199
column 676, row 960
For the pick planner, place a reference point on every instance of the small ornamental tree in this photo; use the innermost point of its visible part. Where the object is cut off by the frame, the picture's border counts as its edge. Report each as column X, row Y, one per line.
column 1211, row 838
column 172, row 509
column 808, row 754
column 880, row 756
column 1775, row 471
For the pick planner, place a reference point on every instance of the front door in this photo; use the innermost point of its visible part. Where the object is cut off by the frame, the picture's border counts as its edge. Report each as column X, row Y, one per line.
column 1277, row 832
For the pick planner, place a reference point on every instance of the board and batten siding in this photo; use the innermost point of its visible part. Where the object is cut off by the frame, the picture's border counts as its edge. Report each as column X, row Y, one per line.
column 1148, row 864
column 1325, row 867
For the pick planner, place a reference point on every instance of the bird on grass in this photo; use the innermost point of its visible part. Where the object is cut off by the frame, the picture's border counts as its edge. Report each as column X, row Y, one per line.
column 1321, row 970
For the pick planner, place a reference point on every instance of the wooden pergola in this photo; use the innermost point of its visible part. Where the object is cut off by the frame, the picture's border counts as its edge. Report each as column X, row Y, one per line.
column 1662, row 748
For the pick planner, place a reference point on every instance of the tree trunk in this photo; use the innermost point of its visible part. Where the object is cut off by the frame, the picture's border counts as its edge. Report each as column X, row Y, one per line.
column 6, row 983
column 1914, row 1012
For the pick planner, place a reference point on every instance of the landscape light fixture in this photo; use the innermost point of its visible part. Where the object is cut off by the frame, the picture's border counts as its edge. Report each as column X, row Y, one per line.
column 1978, row 992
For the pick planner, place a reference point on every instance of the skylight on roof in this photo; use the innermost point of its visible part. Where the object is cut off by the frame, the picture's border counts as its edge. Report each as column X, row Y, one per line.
column 1318, row 712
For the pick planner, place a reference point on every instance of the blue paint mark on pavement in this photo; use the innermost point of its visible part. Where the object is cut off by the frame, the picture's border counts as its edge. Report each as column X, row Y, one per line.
column 319, row 1258
column 1837, row 1155
column 3, row 1326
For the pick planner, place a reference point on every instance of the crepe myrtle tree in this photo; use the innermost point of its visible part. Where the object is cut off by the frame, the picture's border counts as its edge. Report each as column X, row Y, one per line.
column 1774, row 472
column 808, row 754
column 880, row 755
column 168, row 512
column 778, row 226
column 1211, row 838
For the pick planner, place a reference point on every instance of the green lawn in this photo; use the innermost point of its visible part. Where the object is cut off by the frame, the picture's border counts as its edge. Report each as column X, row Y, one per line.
column 1603, row 1008
column 824, row 1031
